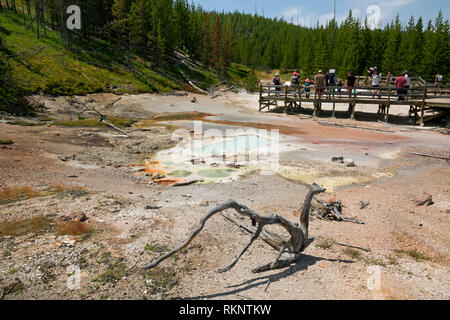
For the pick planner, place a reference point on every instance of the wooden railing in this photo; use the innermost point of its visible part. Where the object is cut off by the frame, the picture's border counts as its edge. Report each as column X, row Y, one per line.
column 418, row 97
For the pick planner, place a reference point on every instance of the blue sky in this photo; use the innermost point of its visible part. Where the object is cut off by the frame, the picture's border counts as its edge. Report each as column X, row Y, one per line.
column 308, row 12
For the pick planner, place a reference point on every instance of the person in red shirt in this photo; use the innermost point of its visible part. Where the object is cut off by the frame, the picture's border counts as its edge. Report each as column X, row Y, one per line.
column 400, row 84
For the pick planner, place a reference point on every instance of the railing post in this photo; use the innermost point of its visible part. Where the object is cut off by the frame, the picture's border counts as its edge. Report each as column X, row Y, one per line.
column 315, row 101
column 354, row 102
column 285, row 99
column 260, row 96
column 388, row 106
column 422, row 111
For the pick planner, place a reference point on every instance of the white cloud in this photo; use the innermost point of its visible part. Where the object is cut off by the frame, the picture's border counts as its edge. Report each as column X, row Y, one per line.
column 295, row 16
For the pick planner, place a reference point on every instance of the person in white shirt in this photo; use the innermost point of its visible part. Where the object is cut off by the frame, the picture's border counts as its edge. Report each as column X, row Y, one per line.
column 408, row 79
column 375, row 85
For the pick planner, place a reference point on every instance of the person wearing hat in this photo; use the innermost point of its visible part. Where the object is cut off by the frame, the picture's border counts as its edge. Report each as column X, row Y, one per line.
column 295, row 82
column 307, row 87
column 320, row 83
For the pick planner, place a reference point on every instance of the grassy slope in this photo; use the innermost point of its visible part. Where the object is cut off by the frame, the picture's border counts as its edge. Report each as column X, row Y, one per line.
column 45, row 65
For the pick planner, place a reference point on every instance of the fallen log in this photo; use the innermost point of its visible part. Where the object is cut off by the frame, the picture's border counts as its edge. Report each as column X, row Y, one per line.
column 430, row 156
column 291, row 247
column 191, row 83
column 110, row 125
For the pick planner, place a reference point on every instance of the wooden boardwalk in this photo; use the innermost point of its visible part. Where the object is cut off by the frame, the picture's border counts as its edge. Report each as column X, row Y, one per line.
column 426, row 102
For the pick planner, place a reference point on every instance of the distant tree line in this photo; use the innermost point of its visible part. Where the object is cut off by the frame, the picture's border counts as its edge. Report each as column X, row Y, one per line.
column 153, row 29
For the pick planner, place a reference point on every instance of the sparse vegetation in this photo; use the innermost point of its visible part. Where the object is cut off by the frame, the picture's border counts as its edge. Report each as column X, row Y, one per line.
column 325, row 244
column 24, row 123
column 416, row 255
column 6, row 142
column 375, row 261
column 118, row 122
column 155, row 248
column 353, row 253
column 10, row 194
column 413, row 253
column 161, row 280
column 24, row 226
column 114, row 273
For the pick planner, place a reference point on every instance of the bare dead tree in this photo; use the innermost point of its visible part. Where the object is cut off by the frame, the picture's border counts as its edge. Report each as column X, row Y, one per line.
column 290, row 248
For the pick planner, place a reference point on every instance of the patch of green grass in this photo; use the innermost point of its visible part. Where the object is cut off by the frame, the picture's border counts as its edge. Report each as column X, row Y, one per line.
column 180, row 116
column 155, row 248
column 24, row 123
column 413, row 253
column 353, row 253
column 113, row 274
column 76, row 192
column 6, row 142
column 118, row 122
column 14, row 270
column 325, row 244
column 416, row 255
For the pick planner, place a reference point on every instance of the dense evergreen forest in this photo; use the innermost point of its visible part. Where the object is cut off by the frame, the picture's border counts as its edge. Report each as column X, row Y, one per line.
column 153, row 29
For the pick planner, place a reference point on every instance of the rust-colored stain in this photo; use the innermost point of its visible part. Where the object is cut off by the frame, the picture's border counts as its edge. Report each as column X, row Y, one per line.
column 315, row 133
column 169, row 181
column 154, row 167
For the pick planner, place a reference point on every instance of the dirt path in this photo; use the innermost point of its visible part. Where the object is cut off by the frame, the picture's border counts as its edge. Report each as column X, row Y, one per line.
column 133, row 220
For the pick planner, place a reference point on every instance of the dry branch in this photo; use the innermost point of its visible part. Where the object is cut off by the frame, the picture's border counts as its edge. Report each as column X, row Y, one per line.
column 332, row 211
column 103, row 119
column 289, row 248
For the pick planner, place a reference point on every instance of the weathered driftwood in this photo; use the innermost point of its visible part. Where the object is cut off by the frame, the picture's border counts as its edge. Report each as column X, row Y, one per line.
column 110, row 125
column 289, row 248
column 431, row 156
column 332, row 211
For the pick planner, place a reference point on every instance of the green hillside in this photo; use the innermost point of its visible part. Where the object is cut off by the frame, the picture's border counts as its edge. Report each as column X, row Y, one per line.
column 44, row 65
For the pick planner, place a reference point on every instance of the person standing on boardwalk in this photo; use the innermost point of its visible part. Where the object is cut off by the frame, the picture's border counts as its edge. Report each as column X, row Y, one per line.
column 320, row 83
column 438, row 82
column 350, row 82
column 307, row 87
column 277, row 82
column 375, row 85
column 400, row 84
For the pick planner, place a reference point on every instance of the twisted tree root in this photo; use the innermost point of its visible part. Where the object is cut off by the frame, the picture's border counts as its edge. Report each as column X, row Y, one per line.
column 290, row 248
column 332, row 211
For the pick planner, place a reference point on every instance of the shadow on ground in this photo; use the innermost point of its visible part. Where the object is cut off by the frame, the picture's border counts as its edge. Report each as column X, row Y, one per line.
column 303, row 264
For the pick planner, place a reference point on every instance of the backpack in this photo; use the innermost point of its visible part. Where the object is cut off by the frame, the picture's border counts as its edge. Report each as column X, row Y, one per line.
column 440, row 77
column 332, row 80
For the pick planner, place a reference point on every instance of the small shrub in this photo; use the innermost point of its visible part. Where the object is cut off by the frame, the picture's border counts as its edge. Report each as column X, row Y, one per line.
column 9, row 194
column 73, row 228
column 6, row 142
column 154, row 247
column 325, row 244
column 352, row 253
column 114, row 273
column 416, row 255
